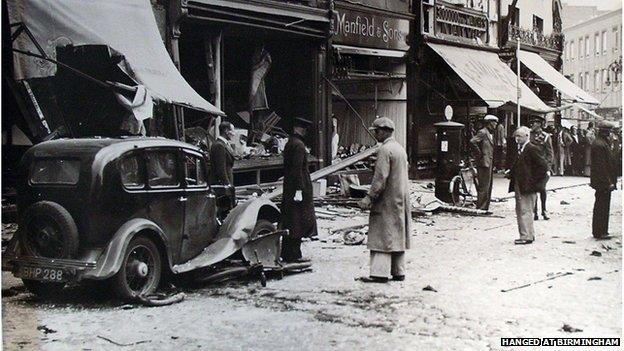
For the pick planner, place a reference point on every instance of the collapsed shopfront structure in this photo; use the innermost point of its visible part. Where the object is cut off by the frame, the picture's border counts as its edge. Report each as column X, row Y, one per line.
column 262, row 63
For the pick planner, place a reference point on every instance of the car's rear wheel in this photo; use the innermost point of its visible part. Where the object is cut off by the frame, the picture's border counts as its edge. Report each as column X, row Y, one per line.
column 43, row 289
column 140, row 271
column 48, row 230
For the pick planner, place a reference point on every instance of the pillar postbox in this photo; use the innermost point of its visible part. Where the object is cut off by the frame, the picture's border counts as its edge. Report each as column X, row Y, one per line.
column 449, row 140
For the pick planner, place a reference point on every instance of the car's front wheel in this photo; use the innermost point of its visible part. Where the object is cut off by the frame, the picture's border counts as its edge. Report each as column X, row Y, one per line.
column 140, row 271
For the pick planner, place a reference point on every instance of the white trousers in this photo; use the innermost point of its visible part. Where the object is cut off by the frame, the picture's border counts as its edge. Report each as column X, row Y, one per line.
column 386, row 264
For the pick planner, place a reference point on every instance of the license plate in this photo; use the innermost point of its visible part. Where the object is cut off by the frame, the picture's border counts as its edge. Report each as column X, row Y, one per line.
column 42, row 273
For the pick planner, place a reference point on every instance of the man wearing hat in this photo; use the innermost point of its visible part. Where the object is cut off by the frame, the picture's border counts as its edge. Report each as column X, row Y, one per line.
column 483, row 143
column 544, row 142
column 602, row 179
column 388, row 201
column 298, row 214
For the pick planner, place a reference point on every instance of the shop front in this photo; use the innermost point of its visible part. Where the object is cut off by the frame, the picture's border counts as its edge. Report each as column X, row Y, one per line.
column 458, row 66
column 368, row 72
column 262, row 63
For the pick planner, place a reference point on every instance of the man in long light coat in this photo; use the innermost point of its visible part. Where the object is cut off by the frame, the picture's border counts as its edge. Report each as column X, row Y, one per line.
column 390, row 215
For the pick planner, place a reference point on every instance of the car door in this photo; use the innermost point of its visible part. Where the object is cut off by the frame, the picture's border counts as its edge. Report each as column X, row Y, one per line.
column 165, row 198
column 200, row 225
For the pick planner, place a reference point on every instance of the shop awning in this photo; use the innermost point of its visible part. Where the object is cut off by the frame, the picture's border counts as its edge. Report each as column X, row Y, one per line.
column 280, row 8
column 127, row 26
column 544, row 70
column 489, row 77
column 352, row 50
column 589, row 112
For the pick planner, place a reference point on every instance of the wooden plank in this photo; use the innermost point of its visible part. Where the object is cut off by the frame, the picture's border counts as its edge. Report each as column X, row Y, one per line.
column 324, row 172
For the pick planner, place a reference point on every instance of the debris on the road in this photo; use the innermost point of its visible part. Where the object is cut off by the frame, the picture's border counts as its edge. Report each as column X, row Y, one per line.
column 356, row 237
column 569, row 242
column 498, row 226
column 121, row 344
column 14, row 290
column 437, row 205
column 563, row 202
column 127, row 307
column 352, row 235
column 45, row 329
column 570, row 329
column 555, row 276
column 607, row 247
column 429, row 288
column 8, row 230
column 595, row 278
column 596, row 253
column 160, row 299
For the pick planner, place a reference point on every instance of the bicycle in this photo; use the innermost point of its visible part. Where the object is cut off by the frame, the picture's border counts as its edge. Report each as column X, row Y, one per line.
column 463, row 186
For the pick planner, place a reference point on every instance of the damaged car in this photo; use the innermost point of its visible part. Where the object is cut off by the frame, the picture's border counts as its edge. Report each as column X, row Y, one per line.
column 129, row 211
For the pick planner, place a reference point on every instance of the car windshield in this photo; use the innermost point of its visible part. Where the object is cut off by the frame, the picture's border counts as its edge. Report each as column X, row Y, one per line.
column 55, row 171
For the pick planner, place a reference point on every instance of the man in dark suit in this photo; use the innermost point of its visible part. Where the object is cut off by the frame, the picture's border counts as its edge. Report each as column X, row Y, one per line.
column 602, row 179
column 483, row 143
column 544, row 141
column 298, row 214
column 527, row 177
column 222, row 156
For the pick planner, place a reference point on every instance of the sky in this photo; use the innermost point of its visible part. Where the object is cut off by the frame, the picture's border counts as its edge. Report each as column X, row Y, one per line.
column 602, row 4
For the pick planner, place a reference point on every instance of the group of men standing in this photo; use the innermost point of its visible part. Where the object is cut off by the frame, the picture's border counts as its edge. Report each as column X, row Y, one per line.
column 531, row 166
column 297, row 205
column 388, row 198
column 528, row 168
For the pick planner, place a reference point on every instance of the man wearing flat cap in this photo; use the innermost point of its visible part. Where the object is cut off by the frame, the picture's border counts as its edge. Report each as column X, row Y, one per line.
column 388, row 201
column 483, row 143
column 298, row 214
column 602, row 179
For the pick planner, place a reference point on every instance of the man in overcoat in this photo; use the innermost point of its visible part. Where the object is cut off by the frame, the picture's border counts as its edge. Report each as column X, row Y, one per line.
column 543, row 140
column 483, row 143
column 527, row 176
column 602, row 179
column 298, row 214
column 388, row 201
column 222, row 156
column 564, row 142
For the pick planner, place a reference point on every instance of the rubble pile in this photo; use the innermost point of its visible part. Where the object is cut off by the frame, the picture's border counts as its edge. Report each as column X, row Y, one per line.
column 353, row 235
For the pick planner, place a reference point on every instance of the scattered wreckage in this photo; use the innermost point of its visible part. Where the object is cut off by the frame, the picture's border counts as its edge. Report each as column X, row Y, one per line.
column 130, row 210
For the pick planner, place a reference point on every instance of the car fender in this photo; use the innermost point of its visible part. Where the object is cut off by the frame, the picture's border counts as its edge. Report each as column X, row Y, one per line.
column 234, row 233
column 109, row 263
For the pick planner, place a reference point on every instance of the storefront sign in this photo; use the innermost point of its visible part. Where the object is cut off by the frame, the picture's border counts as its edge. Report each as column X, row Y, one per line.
column 369, row 30
column 459, row 23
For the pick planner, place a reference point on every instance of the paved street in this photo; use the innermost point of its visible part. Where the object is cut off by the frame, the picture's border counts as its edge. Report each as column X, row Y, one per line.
column 467, row 260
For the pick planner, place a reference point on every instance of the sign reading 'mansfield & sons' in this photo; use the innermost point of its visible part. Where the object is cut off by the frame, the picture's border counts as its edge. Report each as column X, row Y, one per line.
column 369, row 30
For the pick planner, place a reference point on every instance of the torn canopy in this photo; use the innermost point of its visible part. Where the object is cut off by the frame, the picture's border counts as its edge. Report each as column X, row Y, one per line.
column 127, row 26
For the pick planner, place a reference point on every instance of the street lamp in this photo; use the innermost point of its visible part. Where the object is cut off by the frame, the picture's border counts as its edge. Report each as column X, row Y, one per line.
column 616, row 68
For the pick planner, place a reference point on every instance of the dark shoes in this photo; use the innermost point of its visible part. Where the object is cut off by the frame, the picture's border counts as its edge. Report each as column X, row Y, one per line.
column 522, row 241
column 398, row 278
column 544, row 214
column 297, row 260
column 373, row 279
